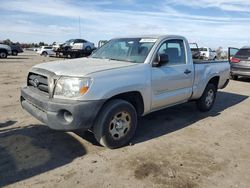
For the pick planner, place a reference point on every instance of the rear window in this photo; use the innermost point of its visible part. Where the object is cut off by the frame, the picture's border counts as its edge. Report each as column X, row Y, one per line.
column 47, row 47
column 243, row 52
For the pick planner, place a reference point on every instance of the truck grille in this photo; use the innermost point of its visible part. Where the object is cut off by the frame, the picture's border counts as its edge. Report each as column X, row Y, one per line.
column 39, row 82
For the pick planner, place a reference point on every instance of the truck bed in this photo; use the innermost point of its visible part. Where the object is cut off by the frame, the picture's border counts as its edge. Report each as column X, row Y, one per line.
column 204, row 70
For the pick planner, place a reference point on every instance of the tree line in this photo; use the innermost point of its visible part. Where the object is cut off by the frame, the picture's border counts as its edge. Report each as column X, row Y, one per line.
column 24, row 45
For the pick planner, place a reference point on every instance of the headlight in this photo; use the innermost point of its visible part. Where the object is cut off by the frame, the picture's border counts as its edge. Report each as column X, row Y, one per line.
column 71, row 87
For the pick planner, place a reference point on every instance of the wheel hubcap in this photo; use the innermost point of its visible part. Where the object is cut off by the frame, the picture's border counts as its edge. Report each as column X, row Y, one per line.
column 120, row 125
column 210, row 98
column 2, row 54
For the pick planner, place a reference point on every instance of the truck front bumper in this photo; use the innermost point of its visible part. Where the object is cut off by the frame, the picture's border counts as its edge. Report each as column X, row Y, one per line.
column 60, row 114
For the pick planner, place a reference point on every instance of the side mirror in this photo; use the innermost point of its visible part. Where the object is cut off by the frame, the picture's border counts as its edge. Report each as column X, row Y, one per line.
column 160, row 60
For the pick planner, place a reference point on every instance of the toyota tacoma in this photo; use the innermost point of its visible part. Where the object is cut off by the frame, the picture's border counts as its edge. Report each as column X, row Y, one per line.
column 122, row 80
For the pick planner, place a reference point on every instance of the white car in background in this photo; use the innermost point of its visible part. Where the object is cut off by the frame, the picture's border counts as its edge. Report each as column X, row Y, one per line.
column 207, row 53
column 46, row 51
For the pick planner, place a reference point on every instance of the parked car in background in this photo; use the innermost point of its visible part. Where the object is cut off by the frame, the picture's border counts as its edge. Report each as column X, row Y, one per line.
column 16, row 49
column 240, row 62
column 5, row 50
column 46, row 51
column 207, row 53
column 124, row 79
column 78, row 44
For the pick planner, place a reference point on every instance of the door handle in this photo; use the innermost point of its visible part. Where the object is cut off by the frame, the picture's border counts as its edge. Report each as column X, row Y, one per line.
column 187, row 71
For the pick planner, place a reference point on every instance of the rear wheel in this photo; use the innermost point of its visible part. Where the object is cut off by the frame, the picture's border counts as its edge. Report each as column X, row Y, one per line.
column 44, row 54
column 234, row 77
column 88, row 48
column 3, row 54
column 116, row 124
column 206, row 102
column 14, row 52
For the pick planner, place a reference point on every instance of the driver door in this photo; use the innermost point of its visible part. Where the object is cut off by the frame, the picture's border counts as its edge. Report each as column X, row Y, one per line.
column 172, row 83
column 232, row 52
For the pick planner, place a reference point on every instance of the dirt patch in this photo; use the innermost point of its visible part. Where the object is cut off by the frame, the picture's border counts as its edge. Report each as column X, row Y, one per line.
column 178, row 169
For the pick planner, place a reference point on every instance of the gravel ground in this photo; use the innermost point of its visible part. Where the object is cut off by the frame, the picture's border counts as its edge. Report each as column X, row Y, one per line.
column 177, row 147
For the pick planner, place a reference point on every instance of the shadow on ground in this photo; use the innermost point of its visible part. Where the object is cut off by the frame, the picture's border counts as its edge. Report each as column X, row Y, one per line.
column 178, row 117
column 7, row 124
column 17, row 57
column 243, row 79
column 26, row 152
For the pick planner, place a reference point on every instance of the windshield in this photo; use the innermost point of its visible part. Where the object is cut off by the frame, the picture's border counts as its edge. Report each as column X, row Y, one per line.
column 69, row 41
column 127, row 49
column 243, row 52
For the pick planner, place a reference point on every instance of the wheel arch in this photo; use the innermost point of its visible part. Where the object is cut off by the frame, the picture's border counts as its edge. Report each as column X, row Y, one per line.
column 214, row 80
column 3, row 50
column 133, row 97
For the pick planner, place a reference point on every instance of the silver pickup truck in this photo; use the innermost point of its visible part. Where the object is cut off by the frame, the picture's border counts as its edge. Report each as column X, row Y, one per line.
column 124, row 79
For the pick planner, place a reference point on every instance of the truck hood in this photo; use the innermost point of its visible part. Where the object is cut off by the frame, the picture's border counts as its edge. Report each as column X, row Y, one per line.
column 82, row 66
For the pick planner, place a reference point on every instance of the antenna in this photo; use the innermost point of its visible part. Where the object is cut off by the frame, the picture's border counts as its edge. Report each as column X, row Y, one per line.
column 80, row 34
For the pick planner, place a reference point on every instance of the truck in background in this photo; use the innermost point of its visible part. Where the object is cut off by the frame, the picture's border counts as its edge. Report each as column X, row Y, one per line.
column 74, row 48
column 207, row 53
column 5, row 51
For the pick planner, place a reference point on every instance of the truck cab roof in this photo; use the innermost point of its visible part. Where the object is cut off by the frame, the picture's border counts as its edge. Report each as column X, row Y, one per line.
column 154, row 36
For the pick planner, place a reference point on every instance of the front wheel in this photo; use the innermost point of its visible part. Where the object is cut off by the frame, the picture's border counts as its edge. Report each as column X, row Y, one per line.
column 3, row 55
column 116, row 124
column 206, row 102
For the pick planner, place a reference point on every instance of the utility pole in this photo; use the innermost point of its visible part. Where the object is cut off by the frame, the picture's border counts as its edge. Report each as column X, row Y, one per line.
column 80, row 34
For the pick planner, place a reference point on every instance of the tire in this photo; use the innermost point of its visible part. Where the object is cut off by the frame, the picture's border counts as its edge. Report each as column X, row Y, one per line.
column 88, row 48
column 206, row 102
column 3, row 54
column 73, row 55
column 44, row 53
column 234, row 77
column 116, row 124
column 14, row 53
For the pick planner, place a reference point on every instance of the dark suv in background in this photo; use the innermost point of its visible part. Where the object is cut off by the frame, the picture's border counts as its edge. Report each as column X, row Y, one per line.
column 240, row 62
column 16, row 49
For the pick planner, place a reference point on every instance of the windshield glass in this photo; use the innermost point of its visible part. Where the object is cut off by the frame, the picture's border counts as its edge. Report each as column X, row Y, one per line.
column 243, row 52
column 69, row 41
column 127, row 49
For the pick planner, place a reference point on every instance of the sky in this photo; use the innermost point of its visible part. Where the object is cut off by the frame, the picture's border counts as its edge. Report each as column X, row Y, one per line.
column 210, row 23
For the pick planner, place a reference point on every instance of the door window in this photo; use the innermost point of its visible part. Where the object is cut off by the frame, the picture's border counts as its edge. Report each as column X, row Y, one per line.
column 175, row 50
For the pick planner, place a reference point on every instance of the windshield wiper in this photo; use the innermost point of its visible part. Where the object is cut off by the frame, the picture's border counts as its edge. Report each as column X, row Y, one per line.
column 122, row 60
